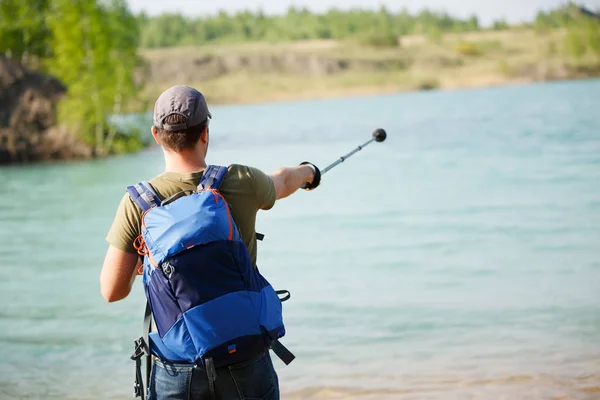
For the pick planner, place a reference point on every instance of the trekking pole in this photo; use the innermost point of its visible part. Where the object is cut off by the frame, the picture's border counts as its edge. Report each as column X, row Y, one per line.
column 379, row 135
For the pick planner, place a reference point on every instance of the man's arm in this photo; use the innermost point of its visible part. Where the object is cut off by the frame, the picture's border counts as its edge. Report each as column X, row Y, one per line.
column 121, row 260
column 118, row 273
column 288, row 180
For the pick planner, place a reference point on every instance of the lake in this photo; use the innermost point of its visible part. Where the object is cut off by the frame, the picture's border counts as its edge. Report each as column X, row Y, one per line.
column 458, row 259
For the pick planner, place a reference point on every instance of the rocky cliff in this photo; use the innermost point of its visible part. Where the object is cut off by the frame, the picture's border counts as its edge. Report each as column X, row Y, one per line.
column 28, row 130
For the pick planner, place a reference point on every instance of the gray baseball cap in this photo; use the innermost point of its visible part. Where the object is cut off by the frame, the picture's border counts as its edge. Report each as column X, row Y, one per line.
column 182, row 100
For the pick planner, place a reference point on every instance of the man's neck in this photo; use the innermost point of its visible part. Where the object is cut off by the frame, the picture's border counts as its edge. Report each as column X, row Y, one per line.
column 183, row 163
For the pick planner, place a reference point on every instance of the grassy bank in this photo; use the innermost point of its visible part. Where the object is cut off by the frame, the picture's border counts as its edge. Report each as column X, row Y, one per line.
column 258, row 72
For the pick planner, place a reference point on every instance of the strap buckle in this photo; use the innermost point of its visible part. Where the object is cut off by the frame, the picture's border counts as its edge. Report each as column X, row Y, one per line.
column 140, row 349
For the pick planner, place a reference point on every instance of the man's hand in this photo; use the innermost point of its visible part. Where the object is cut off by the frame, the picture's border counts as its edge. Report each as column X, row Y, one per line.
column 316, row 177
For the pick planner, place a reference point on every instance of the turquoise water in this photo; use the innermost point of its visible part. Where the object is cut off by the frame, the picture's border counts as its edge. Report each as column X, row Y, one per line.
column 459, row 259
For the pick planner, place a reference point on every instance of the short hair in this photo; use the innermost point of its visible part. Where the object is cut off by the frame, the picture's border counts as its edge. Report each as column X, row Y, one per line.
column 179, row 140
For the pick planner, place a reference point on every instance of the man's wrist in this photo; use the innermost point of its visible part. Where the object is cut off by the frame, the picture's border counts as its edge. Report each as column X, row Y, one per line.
column 311, row 171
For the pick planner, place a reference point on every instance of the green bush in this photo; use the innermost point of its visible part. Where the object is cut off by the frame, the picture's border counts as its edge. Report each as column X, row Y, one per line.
column 468, row 49
column 379, row 39
column 428, row 84
column 575, row 43
column 129, row 142
column 500, row 25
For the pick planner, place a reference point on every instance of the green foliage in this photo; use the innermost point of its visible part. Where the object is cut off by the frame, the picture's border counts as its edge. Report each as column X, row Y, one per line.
column 94, row 53
column 90, row 45
column 379, row 39
column 129, row 142
column 568, row 15
column 23, row 29
column 473, row 23
column 575, row 43
column 583, row 35
column 583, row 29
column 592, row 36
column 468, row 49
column 500, row 25
column 554, row 19
column 378, row 28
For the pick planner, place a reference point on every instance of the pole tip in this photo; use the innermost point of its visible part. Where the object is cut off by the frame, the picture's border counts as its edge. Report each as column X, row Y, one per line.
column 379, row 135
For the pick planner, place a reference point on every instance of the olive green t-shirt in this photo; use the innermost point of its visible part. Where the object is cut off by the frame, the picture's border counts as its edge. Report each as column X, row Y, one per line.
column 246, row 189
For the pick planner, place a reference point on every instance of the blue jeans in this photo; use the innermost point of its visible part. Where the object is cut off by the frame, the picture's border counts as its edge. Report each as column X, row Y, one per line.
column 254, row 379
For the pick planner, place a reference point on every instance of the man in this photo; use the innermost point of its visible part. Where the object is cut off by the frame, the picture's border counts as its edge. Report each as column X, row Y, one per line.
column 181, row 120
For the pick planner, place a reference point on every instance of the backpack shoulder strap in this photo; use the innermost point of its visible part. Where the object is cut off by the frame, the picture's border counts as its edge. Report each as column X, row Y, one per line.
column 143, row 195
column 212, row 177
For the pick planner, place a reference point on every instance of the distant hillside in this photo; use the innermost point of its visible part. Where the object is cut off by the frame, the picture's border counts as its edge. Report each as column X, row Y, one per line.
column 250, row 72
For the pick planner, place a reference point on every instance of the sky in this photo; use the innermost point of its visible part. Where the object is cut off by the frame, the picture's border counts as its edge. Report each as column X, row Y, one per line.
column 486, row 10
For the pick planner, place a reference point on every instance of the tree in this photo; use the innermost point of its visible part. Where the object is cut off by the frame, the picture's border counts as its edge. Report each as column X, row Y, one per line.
column 94, row 54
column 23, row 29
column 500, row 25
column 380, row 27
column 592, row 36
column 473, row 23
column 583, row 34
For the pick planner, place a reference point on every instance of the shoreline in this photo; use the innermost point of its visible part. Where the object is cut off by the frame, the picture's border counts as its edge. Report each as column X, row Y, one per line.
column 358, row 92
column 368, row 91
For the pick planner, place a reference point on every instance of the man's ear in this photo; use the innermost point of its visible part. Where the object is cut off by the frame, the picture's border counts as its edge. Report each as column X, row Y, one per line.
column 155, row 136
column 204, row 135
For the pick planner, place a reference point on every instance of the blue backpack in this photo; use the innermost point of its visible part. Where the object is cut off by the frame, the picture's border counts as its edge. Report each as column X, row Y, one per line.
column 210, row 305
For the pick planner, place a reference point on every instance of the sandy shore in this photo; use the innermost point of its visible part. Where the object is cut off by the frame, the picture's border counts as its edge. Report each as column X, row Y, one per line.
column 509, row 387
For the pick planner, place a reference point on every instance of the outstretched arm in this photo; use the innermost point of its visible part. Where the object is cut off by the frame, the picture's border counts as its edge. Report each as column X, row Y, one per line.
column 288, row 180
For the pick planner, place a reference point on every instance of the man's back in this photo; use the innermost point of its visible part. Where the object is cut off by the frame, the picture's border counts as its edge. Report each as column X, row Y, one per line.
column 180, row 127
column 246, row 189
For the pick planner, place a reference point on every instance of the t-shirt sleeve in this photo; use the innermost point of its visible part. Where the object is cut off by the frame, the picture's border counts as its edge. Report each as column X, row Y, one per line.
column 126, row 225
column 263, row 187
